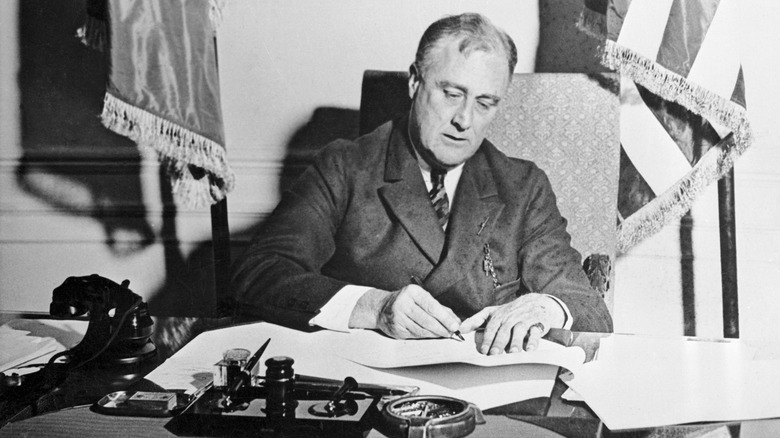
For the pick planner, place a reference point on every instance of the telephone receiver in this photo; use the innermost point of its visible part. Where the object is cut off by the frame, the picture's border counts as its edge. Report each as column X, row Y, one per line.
column 118, row 338
column 120, row 328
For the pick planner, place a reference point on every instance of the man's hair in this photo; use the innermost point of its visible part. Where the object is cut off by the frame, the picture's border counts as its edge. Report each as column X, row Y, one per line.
column 476, row 33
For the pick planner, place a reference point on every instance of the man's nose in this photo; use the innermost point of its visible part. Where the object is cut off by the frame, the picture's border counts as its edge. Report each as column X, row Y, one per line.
column 463, row 116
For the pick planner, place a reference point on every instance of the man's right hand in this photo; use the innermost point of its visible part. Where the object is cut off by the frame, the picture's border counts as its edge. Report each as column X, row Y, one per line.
column 407, row 313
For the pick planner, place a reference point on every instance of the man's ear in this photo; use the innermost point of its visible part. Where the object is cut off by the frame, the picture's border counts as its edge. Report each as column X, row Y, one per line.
column 414, row 81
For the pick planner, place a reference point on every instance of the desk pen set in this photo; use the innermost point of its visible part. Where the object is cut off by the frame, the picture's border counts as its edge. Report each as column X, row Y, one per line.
column 281, row 400
column 282, row 403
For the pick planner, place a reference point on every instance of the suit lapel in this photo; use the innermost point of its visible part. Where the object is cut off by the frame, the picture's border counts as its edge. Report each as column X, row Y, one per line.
column 405, row 195
column 476, row 209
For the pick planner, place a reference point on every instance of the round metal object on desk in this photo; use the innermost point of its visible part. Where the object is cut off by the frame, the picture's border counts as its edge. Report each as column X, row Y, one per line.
column 430, row 417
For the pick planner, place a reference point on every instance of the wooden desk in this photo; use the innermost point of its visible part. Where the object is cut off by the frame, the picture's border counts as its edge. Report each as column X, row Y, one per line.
column 81, row 422
column 551, row 417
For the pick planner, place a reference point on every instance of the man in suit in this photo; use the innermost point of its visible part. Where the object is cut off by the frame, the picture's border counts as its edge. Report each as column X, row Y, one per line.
column 423, row 228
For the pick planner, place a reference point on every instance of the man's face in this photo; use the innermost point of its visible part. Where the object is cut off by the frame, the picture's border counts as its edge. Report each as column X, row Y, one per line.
column 454, row 101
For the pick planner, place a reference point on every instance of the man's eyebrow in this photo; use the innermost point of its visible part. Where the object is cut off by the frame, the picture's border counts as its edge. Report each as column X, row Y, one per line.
column 447, row 84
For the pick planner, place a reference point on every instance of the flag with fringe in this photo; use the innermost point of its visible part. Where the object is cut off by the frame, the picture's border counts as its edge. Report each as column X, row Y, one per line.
column 163, row 88
column 683, row 117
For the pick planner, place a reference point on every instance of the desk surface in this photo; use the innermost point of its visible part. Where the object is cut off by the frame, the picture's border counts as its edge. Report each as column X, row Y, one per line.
column 558, row 418
column 82, row 422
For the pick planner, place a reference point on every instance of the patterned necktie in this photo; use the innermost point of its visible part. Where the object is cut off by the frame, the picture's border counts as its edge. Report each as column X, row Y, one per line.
column 439, row 198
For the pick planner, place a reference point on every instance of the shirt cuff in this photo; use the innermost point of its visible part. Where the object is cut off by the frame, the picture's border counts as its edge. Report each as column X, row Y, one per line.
column 568, row 321
column 334, row 315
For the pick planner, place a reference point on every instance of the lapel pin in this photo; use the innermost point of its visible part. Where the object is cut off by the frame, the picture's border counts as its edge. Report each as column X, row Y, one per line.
column 482, row 225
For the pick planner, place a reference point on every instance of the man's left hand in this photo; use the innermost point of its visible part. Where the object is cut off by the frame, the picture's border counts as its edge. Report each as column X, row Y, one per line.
column 508, row 325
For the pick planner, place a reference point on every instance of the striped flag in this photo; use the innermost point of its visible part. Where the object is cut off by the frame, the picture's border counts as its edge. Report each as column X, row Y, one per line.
column 683, row 118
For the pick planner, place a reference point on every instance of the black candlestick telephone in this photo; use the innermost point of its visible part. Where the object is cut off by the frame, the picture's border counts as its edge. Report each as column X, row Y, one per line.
column 118, row 336
column 119, row 329
column 115, row 351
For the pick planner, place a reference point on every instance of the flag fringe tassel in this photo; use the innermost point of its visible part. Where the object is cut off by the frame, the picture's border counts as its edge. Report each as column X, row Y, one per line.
column 678, row 199
column 671, row 86
column 177, row 148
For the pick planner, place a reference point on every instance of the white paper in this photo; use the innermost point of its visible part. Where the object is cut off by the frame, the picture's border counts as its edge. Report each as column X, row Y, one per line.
column 321, row 354
column 375, row 350
column 18, row 347
column 640, row 382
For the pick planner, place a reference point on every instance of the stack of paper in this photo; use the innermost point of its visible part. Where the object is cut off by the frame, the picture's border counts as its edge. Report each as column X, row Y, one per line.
column 642, row 381
column 19, row 347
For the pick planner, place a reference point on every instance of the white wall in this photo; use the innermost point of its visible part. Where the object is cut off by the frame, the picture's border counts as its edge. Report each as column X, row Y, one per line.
column 758, row 179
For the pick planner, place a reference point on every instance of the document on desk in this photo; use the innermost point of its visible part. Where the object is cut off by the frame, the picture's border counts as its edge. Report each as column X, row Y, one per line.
column 640, row 382
column 19, row 347
column 376, row 350
column 324, row 354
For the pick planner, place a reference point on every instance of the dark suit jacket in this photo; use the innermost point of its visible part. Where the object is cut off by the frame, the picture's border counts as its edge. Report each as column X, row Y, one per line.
column 361, row 215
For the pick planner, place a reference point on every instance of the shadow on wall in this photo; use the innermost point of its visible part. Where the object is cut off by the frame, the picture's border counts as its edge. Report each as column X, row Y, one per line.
column 68, row 159
column 189, row 282
column 325, row 125
column 78, row 167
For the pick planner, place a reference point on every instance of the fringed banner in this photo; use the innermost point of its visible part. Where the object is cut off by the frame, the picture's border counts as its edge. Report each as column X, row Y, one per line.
column 182, row 151
column 163, row 89
column 682, row 92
